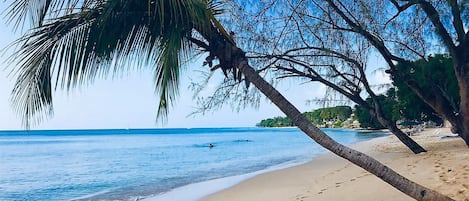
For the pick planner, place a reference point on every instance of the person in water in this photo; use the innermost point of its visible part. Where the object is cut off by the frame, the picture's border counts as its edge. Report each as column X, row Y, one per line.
column 210, row 145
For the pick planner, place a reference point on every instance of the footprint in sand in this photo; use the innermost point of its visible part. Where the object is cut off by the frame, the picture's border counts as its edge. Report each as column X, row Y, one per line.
column 442, row 177
column 410, row 167
column 364, row 175
column 301, row 197
column 322, row 190
column 461, row 191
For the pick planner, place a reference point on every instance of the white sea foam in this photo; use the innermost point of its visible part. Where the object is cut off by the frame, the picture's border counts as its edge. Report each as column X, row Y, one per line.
column 199, row 190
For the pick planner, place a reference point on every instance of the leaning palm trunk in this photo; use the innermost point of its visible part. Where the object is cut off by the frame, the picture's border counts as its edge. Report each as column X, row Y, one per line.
column 231, row 56
column 362, row 160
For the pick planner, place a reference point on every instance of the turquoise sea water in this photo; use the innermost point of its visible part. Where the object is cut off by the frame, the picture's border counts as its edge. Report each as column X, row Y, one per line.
column 132, row 163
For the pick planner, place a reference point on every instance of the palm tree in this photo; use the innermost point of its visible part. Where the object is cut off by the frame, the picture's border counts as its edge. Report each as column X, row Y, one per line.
column 73, row 42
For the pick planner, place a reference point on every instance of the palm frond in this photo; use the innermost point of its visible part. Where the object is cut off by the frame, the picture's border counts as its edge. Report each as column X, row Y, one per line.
column 98, row 38
column 39, row 11
column 32, row 95
column 37, row 55
column 174, row 50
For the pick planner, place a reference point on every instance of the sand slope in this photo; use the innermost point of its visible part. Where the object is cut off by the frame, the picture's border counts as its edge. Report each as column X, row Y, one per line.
column 444, row 168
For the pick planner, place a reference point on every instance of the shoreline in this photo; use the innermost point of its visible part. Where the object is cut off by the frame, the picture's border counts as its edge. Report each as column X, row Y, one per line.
column 444, row 168
column 199, row 190
column 204, row 189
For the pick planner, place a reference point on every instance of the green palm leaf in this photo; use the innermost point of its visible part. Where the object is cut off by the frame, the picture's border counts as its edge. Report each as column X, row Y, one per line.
column 96, row 38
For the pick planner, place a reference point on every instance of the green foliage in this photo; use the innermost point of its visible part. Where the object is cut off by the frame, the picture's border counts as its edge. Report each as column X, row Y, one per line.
column 388, row 104
column 276, row 122
column 320, row 116
column 365, row 119
column 338, row 124
column 436, row 73
column 404, row 104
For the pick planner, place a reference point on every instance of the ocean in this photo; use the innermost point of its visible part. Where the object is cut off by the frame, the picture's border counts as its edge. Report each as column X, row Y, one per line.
column 130, row 164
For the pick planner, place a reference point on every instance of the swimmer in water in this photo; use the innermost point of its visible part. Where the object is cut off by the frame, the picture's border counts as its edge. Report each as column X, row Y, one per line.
column 210, row 145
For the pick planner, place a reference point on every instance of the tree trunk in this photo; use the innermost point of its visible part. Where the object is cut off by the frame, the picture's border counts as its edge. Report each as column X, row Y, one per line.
column 404, row 138
column 375, row 111
column 435, row 100
column 364, row 161
column 463, row 83
column 460, row 122
column 464, row 89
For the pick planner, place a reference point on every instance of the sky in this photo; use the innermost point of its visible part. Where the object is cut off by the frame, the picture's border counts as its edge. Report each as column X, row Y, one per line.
column 130, row 102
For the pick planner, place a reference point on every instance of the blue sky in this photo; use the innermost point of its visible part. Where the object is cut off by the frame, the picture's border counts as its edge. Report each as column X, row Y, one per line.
column 129, row 101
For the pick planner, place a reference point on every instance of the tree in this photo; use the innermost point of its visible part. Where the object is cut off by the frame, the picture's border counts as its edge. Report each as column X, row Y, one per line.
column 435, row 72
column 318, row 116
column 365, row 119
column 389, row 104
column 403, row 31
column 335, row 113
column 403, row 104
column 275, row 122
column 396, row 31
column 296, row 40
column 71, row 47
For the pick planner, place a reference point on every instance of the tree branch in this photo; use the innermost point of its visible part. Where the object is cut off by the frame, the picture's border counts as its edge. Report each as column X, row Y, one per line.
column 400, row 9
column 375, row 41
column 457, row 22
column 199, row 43
column 435, row 100
column 421, row 55
column 434, row 17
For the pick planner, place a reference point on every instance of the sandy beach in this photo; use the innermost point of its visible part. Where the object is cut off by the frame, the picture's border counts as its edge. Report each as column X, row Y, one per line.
column 444, row 168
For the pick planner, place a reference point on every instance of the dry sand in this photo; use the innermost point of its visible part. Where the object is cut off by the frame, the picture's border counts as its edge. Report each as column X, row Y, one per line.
column 444, row 168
